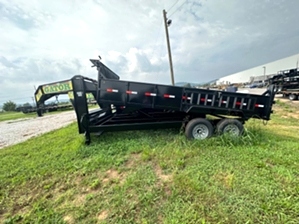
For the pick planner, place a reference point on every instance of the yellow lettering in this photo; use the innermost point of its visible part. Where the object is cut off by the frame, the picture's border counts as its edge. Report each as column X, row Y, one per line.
column 58, row 87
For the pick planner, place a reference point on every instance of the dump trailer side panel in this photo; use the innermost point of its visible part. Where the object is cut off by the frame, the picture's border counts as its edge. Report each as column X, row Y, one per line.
column 143, row 95
column 135, row 105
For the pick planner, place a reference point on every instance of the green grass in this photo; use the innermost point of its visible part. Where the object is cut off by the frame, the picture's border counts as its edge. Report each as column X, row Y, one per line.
column 154, row 177
column 5, row 116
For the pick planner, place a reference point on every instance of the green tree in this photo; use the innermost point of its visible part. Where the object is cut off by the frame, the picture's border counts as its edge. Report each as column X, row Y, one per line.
column 26, row 104
column 188, row 85
column 9, row 106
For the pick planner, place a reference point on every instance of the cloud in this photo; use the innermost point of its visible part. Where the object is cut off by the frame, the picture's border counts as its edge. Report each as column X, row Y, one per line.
column 45, row 41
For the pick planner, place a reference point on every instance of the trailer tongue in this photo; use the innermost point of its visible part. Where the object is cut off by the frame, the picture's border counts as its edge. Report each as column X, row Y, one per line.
column 135, row 105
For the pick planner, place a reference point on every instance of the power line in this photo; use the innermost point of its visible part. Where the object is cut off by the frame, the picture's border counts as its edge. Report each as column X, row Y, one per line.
column 178, row 8
column 159, row 32
column 173, row 5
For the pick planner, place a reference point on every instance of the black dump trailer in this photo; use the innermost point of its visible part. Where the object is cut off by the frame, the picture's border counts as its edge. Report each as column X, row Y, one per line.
column 126, row 105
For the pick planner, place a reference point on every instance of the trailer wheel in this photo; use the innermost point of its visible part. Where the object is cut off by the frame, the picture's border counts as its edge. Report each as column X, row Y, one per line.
column 199, row 128
column 293, row 97
column 231, row 126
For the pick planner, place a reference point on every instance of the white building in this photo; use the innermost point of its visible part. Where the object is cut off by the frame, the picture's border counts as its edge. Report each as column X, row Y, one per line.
column 265, row 70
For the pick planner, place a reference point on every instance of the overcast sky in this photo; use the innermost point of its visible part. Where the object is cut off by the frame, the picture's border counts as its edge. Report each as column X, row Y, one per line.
column 44, row 41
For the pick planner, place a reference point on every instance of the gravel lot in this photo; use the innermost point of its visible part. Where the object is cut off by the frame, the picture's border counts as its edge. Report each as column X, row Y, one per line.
column 16, row 131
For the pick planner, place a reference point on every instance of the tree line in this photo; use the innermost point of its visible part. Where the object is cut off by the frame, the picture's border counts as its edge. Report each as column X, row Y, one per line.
column 12, row 106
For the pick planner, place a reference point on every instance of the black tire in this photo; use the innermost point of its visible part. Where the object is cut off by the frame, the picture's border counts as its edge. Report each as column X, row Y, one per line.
column 293, row 97
column 231, row 126
column 199, row 128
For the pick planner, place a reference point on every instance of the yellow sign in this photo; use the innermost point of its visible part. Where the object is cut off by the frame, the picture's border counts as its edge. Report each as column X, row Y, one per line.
column 38, row 95
column 71, row 95
column 58, row 87
column 89, row 96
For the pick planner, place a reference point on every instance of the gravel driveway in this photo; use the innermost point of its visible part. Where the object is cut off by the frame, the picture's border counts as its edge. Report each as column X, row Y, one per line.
column 16, row 131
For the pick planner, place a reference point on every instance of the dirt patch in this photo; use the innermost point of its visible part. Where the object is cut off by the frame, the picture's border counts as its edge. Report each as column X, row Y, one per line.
column 20, row 200
column 163, row 180
column 132, row 161
column 226, row 179
column 103, row 215
column 112, row 175
column 79, row 199
column 293, row 115
column 68, row 219
column 162, row 177
column 286, row 109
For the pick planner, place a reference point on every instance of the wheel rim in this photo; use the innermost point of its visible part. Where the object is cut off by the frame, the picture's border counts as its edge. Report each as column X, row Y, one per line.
column 200, row 131
column 232, row 129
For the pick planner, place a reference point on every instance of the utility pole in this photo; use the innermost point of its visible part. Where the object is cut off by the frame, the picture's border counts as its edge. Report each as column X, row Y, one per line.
column 264, row 67
column 33, row 102
column 167, row 23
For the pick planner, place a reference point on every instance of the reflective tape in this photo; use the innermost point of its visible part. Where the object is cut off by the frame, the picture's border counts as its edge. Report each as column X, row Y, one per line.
column 150, row 94
column 112, row 90
column 239, row 104
column 131, row 92
column 169, row 96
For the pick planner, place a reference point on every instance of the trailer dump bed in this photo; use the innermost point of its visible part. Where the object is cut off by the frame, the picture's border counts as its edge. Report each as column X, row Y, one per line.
column 134, row 105
column 126, row 105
